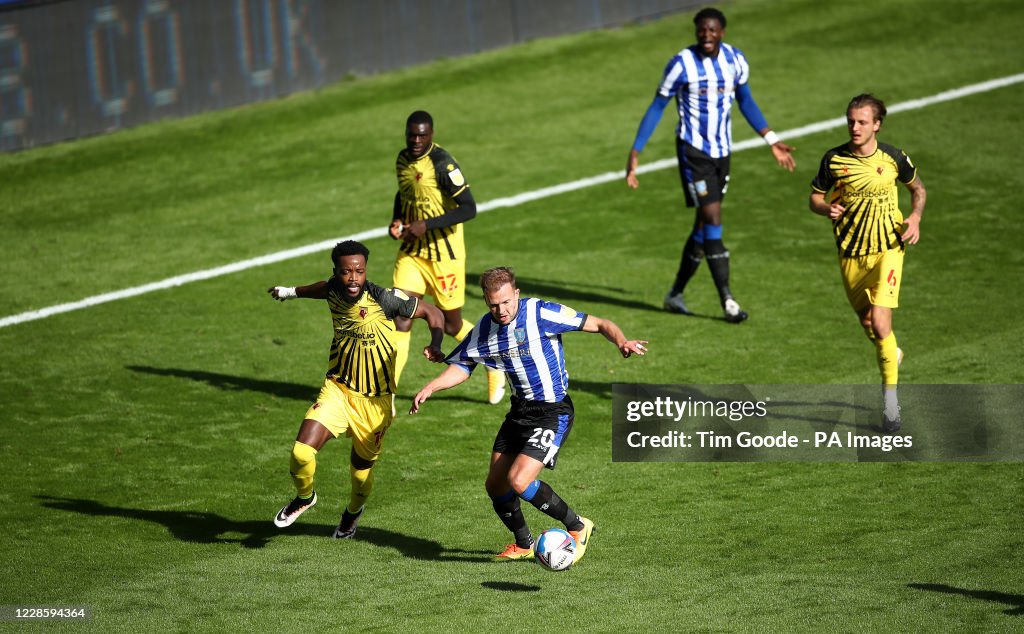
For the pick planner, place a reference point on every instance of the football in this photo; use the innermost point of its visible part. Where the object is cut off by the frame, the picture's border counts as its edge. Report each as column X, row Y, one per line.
column 555, row 549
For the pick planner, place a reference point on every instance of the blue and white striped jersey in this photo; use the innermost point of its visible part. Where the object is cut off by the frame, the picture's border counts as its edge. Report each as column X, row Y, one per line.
column 704, row 89
column 528, row 350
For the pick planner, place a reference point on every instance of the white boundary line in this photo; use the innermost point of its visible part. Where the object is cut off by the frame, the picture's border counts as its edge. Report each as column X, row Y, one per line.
column 510, row 201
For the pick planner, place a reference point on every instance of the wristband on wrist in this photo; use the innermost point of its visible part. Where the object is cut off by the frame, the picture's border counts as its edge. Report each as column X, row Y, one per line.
column 771, row 138
column 286, row 292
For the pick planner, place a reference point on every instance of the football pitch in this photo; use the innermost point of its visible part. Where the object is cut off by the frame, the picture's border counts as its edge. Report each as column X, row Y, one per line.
column 145, row 441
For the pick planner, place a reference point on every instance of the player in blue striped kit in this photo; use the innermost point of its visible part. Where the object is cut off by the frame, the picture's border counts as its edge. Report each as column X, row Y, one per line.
column 705, row 78
column 522, row 336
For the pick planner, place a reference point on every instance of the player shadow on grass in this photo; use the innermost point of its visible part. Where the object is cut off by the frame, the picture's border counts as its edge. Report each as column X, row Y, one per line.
column 508, row 586
column 296, row 391
column 1016, row 601
column 531, row 287
column 209, row 528
column 232, row 383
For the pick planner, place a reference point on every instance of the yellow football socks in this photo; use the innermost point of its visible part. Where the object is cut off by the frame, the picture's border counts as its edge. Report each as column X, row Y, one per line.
column 303, row 466
column 466, row 327
column 362, row 485
column 888, row 359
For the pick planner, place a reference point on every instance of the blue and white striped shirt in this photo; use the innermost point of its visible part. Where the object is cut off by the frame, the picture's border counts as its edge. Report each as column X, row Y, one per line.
column 704, row 89
column 528, row 350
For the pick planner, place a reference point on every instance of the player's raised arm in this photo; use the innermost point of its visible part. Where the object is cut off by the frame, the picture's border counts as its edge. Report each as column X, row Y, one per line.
column 452, row 376
column 316, row 290
column 613, row 333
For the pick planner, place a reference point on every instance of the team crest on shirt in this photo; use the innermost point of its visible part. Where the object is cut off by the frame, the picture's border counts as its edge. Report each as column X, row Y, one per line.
column 455, row 174
column 362, row 313
column 879, row 169
column 520, row 334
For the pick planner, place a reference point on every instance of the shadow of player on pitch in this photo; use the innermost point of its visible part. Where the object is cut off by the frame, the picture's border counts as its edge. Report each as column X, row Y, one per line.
column 508, row 586
column 209, row 528
column 234, row 383
column 1016, row 601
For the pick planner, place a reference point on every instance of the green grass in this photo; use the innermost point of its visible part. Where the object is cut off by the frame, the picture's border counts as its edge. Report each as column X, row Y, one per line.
column 145, row 441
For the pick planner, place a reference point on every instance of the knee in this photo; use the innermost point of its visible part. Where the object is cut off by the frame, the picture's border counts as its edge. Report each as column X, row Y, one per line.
column 495, row 487
column 359, row 463
column 302, row 454
column 520, row 484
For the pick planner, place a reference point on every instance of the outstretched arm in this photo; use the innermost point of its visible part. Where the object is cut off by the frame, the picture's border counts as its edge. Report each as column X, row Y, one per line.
column 435, row 319
column 614, row 334
column 783, row 153
column 316, row 290
column 451, row 377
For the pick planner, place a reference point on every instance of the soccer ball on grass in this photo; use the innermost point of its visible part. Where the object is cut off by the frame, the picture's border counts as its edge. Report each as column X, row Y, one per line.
column 555, row 549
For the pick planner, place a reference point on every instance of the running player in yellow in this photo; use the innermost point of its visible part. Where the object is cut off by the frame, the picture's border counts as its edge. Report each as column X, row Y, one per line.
column 870, row 231
column 432, row 202
column 356, row 398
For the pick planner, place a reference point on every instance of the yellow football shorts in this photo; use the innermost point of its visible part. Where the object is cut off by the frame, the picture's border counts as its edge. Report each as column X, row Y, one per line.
column 363, row 419
column 873, row 279
column 445, row 281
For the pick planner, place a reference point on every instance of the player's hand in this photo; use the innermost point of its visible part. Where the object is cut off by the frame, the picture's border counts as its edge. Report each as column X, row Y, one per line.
column 633, row 346
column 784, row 155
column 835, row 210
column 395, row 229
column 281, row 293
column 414, row 230
column 433, row 354
column 911, row 229
column 631, row 164
column 417, row 400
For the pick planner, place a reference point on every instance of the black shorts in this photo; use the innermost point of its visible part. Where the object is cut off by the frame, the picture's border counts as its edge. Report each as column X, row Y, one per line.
column 535, row 428
column 705, row 179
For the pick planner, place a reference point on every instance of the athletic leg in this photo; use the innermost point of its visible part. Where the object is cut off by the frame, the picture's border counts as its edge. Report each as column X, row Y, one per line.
column 311, row 438
column 506, row 505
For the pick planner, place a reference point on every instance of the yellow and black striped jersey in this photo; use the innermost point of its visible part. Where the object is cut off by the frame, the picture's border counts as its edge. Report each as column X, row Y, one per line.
column 362, row 355
column 866, row 187
column 427, row 188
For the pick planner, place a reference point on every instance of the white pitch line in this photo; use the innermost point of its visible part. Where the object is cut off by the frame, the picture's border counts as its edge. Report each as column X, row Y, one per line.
column 499, row 203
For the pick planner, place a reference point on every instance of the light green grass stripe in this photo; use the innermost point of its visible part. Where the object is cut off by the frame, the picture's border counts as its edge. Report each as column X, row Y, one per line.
column 499, row 203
